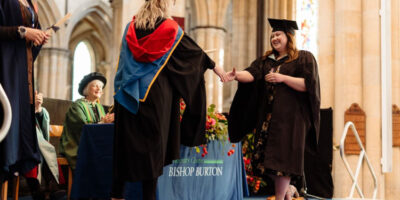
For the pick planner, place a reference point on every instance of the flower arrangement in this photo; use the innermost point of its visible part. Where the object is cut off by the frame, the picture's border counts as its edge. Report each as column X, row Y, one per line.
column 255, row 183
column 216, row 128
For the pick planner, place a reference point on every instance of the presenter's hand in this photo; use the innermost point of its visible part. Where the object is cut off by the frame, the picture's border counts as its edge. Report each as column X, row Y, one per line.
column 221, row 73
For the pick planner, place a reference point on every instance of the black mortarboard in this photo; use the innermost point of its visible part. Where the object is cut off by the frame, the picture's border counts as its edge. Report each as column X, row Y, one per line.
column 90, row 77
column 287, row 26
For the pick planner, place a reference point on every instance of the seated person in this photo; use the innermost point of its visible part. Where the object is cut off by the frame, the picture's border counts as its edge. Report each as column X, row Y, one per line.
column 48, row 168
column 86, row 110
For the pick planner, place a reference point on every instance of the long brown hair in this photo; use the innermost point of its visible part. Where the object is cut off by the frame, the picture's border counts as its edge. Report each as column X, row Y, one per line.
column 292, row 51
column 148, row 14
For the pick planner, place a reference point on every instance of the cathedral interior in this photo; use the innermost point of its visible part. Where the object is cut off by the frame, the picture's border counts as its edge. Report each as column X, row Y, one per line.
column 356, row 44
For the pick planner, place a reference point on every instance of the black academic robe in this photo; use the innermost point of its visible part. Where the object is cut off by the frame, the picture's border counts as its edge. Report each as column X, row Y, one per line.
column 147, row 141
column 295, row 115
column 19, row 151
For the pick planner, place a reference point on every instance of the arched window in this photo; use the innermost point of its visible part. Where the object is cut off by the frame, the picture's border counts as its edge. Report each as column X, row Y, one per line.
column 307, row 19
column 83, row 64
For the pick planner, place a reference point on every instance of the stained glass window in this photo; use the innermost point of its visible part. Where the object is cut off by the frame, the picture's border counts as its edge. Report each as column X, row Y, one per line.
column 307, row 19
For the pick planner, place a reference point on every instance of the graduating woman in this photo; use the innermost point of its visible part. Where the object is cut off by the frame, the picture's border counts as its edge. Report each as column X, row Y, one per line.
column 158, row 65
column 279, row 97
column 20, row 42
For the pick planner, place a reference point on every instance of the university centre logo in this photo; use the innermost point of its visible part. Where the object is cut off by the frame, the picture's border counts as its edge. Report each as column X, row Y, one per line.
column 203, row 167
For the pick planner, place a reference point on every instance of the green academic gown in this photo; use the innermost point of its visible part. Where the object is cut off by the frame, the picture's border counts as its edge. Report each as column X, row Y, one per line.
column 46, row 149
column 79, row 113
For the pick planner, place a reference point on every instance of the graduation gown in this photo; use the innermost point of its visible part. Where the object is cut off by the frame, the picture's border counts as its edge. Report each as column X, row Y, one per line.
column 295, row 115
column 79, row 113
column 19, row 151
column 47, row 150
column 149, row 139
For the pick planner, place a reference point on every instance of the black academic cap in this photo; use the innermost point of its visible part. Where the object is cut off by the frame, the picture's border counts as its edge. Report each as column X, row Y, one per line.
column 283, row 25
column 90, row 77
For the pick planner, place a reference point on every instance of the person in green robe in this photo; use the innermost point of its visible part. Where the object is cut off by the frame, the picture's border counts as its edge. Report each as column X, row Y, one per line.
column 86, row 110
column 48, row 169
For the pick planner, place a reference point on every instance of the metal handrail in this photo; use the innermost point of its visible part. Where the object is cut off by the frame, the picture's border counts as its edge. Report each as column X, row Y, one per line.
column 7, row 114
column 363, row 155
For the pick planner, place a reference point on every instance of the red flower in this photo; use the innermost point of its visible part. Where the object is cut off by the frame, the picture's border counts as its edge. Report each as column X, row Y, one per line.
column 210, row 122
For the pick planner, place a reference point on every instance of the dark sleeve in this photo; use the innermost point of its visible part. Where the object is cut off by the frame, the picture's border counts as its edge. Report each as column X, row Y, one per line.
column 39, row 117
column 186, row 69
column 311, row 79
column 74, row 121
column 9, row 33
column 255, row 69
column 243, row 112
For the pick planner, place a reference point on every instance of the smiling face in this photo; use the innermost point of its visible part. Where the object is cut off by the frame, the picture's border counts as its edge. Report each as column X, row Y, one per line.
column 94, row 89
column 279, row 42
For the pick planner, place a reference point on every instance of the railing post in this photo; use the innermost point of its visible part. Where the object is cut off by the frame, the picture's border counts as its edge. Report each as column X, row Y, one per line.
column 5, row 125
column 362, row 156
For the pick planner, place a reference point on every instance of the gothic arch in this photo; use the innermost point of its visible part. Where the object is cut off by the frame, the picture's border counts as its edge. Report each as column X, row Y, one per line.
column 101, row 15
column 92, row 22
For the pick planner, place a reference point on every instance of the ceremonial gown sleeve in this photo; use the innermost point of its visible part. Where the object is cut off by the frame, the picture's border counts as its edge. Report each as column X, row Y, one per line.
column 69, row 141
column 8, row 33
column 186, row 73
column 242, row 117
column 43, row 121
column 311, row 79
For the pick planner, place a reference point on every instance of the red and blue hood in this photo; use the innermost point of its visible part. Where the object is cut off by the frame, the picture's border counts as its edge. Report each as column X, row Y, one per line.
column 141, row 60
column 154, row 45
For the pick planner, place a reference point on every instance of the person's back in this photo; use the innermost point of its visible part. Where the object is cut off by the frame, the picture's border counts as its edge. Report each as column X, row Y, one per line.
column 158, row 65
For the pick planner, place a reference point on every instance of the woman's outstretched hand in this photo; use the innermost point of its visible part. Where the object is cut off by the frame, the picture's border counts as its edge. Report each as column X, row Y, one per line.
column 230, row 76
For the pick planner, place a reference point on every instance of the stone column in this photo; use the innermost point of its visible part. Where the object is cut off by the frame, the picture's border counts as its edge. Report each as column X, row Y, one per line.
column 63, row 84
column 348, row 80
column 395, row 52
column 326, row 52
column 209, row 39
column 106, row 69
column 118, row 30
column 242, row 43
column 51, row 72
column 210, row 33
column 371, row 95
column 42, row 72
column 392, row 182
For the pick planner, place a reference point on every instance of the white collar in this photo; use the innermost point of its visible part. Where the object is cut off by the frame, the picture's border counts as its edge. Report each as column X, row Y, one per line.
column 272, row 56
